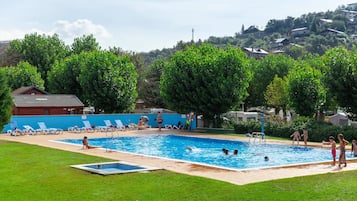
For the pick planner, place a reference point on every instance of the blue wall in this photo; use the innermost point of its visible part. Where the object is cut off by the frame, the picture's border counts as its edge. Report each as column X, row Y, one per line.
column 66, row 121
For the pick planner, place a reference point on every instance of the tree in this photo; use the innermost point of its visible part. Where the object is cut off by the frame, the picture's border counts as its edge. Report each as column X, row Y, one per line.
column 264, row 72
column 63, row 77
column 85, row 44
column 205, row 79
column 24, row 74
column 40, row 51
column 341, row 77
column 276, row 94
column 306, row 91
column 151, row 92
column 108, row 81
column 136, row 59
column 11, row 57
column 6, row 101
column 295, row 51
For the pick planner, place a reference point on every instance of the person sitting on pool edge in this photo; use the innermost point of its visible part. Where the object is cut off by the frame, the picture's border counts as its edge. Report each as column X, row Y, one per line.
column 86, row 145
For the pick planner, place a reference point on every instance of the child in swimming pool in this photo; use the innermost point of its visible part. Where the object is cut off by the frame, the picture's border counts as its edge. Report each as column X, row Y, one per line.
column 333, row 148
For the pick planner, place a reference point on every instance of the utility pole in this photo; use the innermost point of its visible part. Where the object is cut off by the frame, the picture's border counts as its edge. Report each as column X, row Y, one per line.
column 193, row 35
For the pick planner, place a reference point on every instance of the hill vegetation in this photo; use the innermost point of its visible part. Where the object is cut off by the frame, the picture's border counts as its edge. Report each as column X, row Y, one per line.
column 325, row 30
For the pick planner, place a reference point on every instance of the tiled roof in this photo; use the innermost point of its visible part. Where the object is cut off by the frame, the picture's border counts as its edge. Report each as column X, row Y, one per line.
column 47, row 101
column 23, row 90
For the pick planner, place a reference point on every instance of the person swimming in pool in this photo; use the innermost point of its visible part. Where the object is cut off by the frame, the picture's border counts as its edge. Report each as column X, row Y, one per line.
column 235, row 152
column 225, row 151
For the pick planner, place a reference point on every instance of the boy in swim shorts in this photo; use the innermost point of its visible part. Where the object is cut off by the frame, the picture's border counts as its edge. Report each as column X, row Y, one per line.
column 333, row 148
column 343, row 143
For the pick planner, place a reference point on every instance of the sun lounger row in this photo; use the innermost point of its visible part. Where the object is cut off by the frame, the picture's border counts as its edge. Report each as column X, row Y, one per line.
column 28, row 130
column 43, row 129
column 88, row 127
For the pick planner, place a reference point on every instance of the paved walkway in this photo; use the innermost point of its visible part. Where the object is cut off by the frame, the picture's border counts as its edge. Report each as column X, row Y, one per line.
column 239, row 177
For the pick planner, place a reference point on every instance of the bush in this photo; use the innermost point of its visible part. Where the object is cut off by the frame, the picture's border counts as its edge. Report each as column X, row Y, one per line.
column 247, row 127
column 318, row 130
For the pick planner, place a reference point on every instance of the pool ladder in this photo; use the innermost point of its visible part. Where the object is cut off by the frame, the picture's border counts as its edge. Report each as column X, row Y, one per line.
column 112, row 141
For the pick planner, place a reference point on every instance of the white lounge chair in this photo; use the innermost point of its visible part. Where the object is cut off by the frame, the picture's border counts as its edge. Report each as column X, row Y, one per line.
column 45, row 129
column 168, row 126
column 87, row 127
column 119, row 125
column 109, row 125
column 14, row 129
column 29, row 130
column 74, row 129
column 91, row 128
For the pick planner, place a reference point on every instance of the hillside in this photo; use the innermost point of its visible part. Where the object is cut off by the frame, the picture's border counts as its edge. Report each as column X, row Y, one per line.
column 3, row 45
column 312, row 32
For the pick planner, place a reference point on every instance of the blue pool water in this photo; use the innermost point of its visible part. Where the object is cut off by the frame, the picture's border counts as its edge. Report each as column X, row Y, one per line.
column 108, row 168
column 209, row 151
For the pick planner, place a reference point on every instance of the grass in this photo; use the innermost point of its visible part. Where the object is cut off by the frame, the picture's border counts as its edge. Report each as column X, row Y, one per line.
column 30, row 172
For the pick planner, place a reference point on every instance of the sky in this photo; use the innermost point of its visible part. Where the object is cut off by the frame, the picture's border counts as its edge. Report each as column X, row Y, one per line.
column 145, row 25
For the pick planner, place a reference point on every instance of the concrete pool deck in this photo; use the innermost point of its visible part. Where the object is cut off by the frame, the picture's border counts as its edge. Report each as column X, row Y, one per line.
column 239, row 177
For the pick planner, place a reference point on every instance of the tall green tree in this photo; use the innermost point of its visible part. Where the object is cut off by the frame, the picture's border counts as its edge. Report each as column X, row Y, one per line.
column 306, row 91
column 264, row 72
column 295, row 51
column 341, row 77
column 63, row 77
column 151, row 88
column 23, row 74
column 108, row 81
column 6, row 101
column 205, row 79
column 84, row 44
column 276, row 95
column 40, row 51
column 11, row 56
column 138, row 62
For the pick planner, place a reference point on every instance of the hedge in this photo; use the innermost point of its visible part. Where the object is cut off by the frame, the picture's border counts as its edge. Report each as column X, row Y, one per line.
column 318, row 130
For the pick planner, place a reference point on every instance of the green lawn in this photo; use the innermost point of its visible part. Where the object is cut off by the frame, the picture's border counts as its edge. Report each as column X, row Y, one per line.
column 29, row 172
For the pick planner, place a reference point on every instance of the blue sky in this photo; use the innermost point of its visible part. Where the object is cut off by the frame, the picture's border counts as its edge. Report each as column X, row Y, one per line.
column 144, row 25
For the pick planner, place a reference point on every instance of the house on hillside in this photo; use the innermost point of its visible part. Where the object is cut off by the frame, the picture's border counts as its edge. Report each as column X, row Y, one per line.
column 324, row 21
column 333, row 32
column 254, row 30
column 352, row 6
column 280, row 43
column 34, row 101
column 300, row 32
column 255, row 52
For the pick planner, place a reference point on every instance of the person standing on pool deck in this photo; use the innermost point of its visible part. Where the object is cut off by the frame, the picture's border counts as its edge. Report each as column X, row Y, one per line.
column 305, row 134
column 354, row 148
column 159, row 120
column 296, row 136
column 342, row 146
column 333, row 148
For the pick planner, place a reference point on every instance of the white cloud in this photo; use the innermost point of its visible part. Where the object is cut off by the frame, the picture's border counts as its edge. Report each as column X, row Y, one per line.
column 66, row 30
column 70, row 30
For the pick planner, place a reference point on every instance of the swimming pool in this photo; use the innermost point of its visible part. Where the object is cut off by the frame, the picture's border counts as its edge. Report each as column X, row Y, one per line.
column 208, row 151
column 109, row 168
